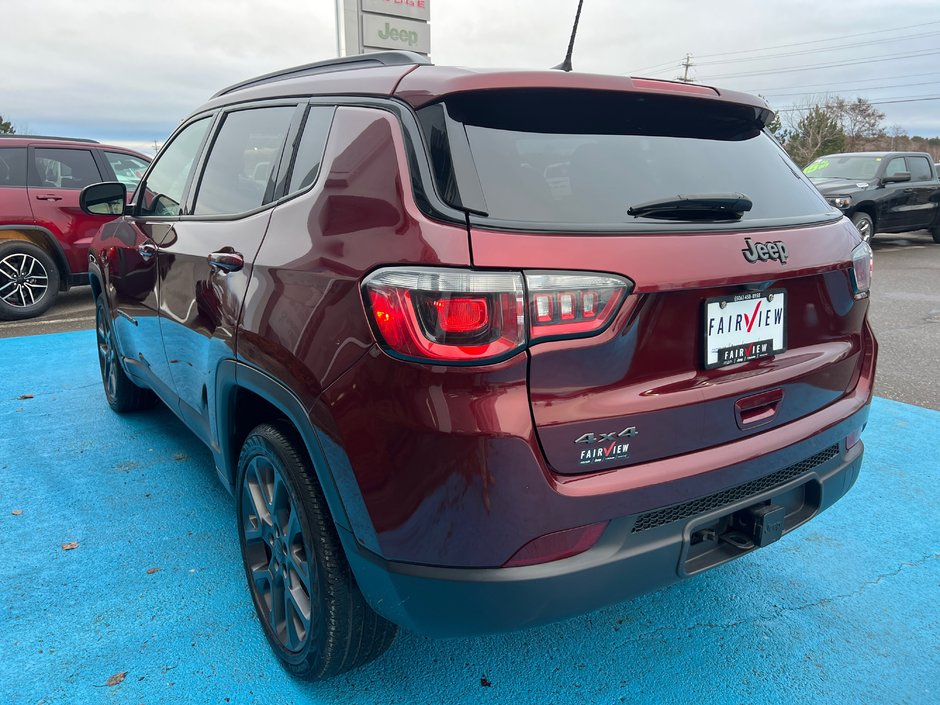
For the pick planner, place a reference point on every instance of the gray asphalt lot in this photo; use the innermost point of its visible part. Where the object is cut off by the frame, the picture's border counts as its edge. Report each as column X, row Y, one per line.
column 74, row 310
column 905, row 313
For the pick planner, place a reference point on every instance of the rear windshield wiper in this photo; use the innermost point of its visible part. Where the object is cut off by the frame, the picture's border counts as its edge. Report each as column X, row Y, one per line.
column 702, row 206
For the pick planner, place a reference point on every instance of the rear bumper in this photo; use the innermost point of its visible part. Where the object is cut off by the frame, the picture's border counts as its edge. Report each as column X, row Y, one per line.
column 636, row 554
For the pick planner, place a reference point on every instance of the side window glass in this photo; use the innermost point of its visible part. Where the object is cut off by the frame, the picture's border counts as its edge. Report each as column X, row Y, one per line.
column 920, row 168
column 895, row 166
column 241, row 161
column 128, row 169
column 13, row 166
column 66, row 168
column 163, row 192
column 310, row 150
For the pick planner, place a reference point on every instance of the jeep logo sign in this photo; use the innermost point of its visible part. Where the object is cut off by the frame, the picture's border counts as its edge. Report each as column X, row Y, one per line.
column 764, row 251
column 395, row 33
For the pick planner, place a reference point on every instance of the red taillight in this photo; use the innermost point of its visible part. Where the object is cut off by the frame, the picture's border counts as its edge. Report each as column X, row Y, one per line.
column 572, row 305
column 456, row 315
column 461, row 315
column 863, row 266
column 557, row 545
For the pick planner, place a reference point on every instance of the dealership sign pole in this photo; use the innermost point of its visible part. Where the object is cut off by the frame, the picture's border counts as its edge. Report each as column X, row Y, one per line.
column 366, row 26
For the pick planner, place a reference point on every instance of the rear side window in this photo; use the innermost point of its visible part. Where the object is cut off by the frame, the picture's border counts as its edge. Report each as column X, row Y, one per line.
column 238, row 173
column 163, row 193
column 585, row 157
column 13, row 166
column 310, row 150
column 65, row 168
column 127, row 168
column 920, row 168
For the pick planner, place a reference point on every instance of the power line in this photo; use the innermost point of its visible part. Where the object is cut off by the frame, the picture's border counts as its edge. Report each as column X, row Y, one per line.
column 829, row 83
column 911, row 99
column 850, row 90
column 817, row 41
column 816, row 51
column 887, row 57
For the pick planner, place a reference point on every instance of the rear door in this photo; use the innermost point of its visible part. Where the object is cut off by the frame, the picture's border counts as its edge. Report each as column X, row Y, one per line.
column 56, row 177
column 14, row 197
column 732, row 326
column 206, row 266
column 897, row 207
column 925, row 191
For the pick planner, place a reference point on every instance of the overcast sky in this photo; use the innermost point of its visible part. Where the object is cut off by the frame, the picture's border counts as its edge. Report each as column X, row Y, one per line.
column 130, row 71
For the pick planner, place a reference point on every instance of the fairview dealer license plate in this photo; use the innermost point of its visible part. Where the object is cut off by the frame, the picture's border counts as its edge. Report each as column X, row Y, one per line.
column 744, row 327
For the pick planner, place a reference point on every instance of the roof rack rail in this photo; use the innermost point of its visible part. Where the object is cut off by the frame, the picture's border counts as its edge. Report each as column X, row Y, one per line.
column 343, row 63
column 50, row 137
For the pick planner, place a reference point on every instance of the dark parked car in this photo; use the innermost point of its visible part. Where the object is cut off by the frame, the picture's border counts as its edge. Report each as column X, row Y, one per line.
column 450, row 395
column 44, row 235
column 887, row 192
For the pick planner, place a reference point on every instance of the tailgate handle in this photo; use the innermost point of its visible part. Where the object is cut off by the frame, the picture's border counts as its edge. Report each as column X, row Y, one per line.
column 757, row 409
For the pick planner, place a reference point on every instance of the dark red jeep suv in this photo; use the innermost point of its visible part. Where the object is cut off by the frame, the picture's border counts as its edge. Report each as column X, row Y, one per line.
column 477, row 350
column 44, row 235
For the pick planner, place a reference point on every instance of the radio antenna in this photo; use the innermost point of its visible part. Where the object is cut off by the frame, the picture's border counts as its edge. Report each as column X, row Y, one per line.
column 566, row 64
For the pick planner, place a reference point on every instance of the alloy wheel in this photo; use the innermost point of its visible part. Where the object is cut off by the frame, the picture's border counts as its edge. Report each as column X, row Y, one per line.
column 864, row 229
column 278, row 555
column 107, row 357
column 23, row 280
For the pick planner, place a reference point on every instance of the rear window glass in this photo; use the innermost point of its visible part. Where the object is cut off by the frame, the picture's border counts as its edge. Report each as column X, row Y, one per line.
column 13, row 166
column 920, row 169
column 66, row 168
column 586, row 157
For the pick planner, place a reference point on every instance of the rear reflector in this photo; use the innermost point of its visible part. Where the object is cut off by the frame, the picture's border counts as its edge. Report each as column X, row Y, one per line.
column 853, row 438
column 557, row 545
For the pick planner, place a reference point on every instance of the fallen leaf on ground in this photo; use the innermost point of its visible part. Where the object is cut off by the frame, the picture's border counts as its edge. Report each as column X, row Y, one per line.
column 25, row 396
column 16, row 512
column 485, row 682
column 70, row 545
column 151, row 571
column 116, row 678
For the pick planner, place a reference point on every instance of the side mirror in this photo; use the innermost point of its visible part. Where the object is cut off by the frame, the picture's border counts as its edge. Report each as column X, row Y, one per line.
column 108, row 198
column 900, row 177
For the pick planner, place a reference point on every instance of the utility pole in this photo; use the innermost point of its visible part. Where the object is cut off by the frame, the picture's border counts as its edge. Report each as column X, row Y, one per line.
column 686, row 64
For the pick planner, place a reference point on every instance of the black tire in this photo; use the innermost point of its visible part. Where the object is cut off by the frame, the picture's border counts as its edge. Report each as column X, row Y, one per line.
column 865, row 225
column 122, row 394
column 935, row 234
column 285, row 530
column 29, row 280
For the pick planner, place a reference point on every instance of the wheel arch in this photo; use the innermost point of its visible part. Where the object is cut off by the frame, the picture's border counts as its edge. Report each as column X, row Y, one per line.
column 869, row 209
column 246, row 397
column 45, row 240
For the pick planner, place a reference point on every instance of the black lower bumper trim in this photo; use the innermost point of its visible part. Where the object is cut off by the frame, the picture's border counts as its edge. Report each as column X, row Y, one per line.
column 440, row 601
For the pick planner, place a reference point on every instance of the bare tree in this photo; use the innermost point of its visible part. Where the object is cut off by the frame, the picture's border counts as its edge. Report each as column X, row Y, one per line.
column 859, row 119
column 811, row 130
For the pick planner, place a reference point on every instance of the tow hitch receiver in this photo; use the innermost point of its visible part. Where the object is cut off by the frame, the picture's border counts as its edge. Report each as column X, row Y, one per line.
column 763, row 524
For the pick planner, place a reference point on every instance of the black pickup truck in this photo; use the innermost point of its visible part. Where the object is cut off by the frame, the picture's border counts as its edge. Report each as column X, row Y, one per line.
column 885, row 192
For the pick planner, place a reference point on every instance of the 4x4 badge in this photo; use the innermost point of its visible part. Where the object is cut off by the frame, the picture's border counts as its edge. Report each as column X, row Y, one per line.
column 629, row 432
column 764, row 251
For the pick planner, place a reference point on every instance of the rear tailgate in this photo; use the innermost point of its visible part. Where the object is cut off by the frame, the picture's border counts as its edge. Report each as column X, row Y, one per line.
column 640, row 390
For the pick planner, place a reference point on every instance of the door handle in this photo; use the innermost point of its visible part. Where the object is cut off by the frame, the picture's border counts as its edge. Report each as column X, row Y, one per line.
column 147, row 249
column 49, row 197
column 908, row 190
column 226, row 261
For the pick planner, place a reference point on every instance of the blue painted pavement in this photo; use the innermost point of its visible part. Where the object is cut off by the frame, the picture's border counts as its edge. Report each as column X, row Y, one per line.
column 843, row 610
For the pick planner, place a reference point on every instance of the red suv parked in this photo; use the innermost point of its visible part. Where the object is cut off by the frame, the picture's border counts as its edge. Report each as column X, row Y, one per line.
column 476, row 350
column 44, row 235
